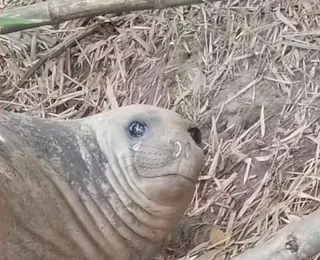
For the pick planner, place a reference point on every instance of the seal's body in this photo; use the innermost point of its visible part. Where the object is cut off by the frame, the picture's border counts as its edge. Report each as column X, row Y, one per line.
column 106, row 187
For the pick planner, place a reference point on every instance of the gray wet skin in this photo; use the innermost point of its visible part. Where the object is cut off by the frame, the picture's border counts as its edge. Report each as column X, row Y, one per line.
column 89, row 189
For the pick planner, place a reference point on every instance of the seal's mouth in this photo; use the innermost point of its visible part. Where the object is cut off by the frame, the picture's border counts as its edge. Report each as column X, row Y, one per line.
column 171, row 175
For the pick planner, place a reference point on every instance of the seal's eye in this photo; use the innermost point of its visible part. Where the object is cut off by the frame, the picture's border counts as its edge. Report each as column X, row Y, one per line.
column 195, row 134
column 137, row 129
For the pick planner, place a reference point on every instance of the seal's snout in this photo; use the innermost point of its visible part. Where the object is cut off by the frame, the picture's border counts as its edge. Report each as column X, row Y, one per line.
column 182, row 149
column 184, row 146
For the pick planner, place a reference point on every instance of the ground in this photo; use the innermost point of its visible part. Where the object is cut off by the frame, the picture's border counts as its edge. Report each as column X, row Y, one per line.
column 246, row 72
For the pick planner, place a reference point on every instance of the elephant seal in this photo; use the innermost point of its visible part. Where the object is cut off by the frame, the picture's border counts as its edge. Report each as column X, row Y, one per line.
column 107, row 187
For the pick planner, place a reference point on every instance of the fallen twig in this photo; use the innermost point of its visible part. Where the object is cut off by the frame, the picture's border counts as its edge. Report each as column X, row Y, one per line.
column 58, row 50
column 300, row 240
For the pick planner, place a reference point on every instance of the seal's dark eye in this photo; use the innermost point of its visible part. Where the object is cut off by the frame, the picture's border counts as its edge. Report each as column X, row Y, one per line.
column 137, row 129
column 195, row 134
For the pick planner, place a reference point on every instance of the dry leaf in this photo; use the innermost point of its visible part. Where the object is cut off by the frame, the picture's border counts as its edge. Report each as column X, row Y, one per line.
column 217, row 236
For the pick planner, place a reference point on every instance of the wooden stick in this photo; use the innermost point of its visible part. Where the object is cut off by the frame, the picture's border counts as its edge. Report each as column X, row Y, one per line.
column 297, row 241
column 300, row 240
column 58, row 50
column 58, row 11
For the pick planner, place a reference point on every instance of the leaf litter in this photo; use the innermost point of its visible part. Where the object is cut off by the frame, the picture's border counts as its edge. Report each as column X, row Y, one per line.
column 247, row 72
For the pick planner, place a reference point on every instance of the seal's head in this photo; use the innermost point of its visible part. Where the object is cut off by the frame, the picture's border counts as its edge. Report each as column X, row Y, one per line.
column 155, row 150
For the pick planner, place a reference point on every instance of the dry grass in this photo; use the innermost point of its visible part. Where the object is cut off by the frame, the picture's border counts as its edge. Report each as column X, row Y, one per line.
column 246, row 72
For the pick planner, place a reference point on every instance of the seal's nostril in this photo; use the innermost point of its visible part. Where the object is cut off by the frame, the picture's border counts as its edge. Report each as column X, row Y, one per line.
column 179, row 150
column 195, row 134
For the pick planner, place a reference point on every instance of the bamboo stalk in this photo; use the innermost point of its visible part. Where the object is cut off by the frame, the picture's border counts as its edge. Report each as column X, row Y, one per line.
column 58, row 11
column 299, row 240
